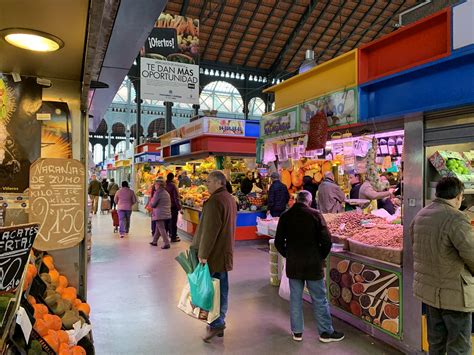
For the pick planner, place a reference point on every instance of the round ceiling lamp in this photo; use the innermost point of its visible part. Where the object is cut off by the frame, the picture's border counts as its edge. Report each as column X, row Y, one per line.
column 31, row 39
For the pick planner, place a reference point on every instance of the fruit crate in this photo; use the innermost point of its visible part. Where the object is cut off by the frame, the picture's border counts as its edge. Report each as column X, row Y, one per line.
column 448, row 163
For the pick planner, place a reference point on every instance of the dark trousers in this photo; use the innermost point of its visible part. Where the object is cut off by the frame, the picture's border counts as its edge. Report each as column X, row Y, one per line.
column 449, row 331
column 172, row 224
column 224, row 289
column 112, row 202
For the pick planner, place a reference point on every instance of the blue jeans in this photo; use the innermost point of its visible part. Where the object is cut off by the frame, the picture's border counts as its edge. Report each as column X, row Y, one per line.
column 317, row 290
column 224, row 288
column 124, row 220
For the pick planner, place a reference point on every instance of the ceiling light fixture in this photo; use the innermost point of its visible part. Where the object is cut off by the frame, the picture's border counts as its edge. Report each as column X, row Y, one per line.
column 31, row 39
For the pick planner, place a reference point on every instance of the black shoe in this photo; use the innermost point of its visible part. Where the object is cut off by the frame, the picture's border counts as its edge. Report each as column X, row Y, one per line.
column 297, row 336
column 166, row 246
column 154, row 244
column 175, row 240
column 212, row 332
column 329, row 338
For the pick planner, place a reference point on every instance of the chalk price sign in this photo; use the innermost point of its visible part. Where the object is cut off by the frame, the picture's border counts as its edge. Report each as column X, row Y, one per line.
column 57, row 202
column 15, row 246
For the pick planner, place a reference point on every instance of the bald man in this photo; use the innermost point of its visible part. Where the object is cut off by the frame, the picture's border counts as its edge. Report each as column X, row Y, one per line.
column 330, row 195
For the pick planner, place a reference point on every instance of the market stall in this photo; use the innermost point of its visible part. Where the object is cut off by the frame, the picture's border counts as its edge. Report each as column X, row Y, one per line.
column 212, row 143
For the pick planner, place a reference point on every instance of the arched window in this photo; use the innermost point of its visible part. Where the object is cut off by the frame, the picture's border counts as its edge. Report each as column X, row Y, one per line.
column 107, row 151
column 133, row 130
column 98, row 153
column 118, row 129
column 221, row 96
column 256, row 107
column 120, row 147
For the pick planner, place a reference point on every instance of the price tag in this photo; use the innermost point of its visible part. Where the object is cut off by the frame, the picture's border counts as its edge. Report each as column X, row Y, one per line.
column 24, row 322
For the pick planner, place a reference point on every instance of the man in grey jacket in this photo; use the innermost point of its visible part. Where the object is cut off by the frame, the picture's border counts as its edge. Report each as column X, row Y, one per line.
column 330, row 195
column 443, row 248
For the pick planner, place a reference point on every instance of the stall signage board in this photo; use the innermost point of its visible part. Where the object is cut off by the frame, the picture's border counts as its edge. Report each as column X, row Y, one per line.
column 169, row 81
column 191, row 130
column 279, row 123
column 226, row 127
column 340, row 108
column 57, row 190
column 15, row 245
column 369, row 293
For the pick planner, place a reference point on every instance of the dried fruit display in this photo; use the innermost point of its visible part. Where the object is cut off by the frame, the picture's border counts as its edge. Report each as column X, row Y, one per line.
column 349, row 223
column 382, row 237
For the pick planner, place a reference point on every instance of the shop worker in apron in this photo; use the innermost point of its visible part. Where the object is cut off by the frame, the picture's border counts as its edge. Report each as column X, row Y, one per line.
column 214, row 242
column 443, row 251
column 303, row 238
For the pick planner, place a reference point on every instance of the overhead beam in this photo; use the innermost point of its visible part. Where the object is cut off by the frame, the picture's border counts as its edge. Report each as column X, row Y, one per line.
column 315, row 23
column 340, row 29
column 354, row 29
column 184, row 8
column 216, row 23
column 259, row 33
column 283, row 18
column 229, row 30
column 387, row 21
column 255, row 11
column 304, row 17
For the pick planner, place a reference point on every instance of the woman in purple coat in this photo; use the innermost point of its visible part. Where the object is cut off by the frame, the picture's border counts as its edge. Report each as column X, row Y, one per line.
column 125, row 199
column 161, row 204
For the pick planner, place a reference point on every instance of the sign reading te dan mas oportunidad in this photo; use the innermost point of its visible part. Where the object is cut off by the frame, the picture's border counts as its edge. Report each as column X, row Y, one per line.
column 169, row 81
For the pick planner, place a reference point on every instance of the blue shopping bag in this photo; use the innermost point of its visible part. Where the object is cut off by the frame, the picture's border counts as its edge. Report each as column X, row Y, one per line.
column 202, row 290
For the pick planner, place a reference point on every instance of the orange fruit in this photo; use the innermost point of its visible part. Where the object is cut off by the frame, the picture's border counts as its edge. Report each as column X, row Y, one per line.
column 49, row 262
column 69, row 293
column 31, row 299
column 78, row 350
column 52, row 339
column 54, row 274
column 64, row 349
column 41, row 327
column 53, row 322
column 63, row 337
column 76, row 302
column 40, row 310
column 32, row 269
column 63, row 282
column 84, row 307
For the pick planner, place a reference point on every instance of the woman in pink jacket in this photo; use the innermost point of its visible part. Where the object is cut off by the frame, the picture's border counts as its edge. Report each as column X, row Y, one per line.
column 125, row 199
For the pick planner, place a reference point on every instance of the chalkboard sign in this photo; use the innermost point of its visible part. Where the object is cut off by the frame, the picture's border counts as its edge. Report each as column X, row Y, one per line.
column 15, row 246
column 57, row 202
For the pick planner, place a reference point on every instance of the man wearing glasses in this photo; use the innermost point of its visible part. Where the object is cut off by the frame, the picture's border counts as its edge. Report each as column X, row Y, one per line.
column 214, row 242
column 443, row 248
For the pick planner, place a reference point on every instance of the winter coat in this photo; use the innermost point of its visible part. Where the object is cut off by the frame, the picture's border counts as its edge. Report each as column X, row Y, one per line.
column 443, row 251
column 95, row 187
column 161, row 205
column 330, row 197
column 185, row 182
column 174, row 195
column 113, row 188
column 367, row 192
column 125, row 199
column 105, row 187
column 303, row 238
column 312, row 189
column 355, row 191
column 215, row 234
column 278, row 197
column 246, row 185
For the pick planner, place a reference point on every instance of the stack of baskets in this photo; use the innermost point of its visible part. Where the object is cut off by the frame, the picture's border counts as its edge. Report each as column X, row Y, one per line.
column 275, row 264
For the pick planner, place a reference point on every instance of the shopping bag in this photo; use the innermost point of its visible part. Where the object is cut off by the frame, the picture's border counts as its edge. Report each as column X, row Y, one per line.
column 284, row 290
column 185, row 304
column 200, row 283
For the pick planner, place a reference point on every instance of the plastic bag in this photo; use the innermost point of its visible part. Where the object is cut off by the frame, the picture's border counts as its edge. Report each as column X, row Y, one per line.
column 284, row 291
column 187, row 307
column 202, row 291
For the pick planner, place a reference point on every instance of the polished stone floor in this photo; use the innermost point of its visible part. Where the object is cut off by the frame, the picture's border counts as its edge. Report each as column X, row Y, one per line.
column 133, row 289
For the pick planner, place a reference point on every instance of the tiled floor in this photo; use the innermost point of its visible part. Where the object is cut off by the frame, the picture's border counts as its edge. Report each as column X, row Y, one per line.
column 133, row 289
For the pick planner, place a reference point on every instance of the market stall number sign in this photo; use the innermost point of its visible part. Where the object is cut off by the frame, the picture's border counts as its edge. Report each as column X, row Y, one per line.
column 15, row 246
column 57, row 202
column 368, row 293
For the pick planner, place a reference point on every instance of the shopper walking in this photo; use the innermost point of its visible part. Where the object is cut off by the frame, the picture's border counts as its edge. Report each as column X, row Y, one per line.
column 330, row 195
column 443, row 250
column 172, row 223
column 105, row 187
column 113, row 188
column 303, row 238
column 214, row 242
column 278, row 196
column 125, row 199
column 94, row 191
column 161, row 213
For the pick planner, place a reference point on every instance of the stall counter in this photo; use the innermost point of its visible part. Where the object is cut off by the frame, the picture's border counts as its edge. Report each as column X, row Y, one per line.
column 246, row 223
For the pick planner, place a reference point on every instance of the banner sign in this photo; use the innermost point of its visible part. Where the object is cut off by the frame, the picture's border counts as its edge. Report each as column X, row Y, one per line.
column 175, row 38
column 20, row 132
column 340, row 109
column 279, row 123
column 225, row 126
column 15, row 245
column 56, row 132
column 57, row 191
column 169, row 81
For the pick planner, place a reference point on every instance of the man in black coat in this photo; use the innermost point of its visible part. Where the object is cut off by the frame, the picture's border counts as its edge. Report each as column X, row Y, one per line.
column 278, row 196
column 303, row 238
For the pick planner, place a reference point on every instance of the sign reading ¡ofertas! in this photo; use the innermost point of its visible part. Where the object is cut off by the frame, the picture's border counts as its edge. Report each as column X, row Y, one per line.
column 57, row 202
column 15, row 246
column 227, row 127
column 169, row 81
